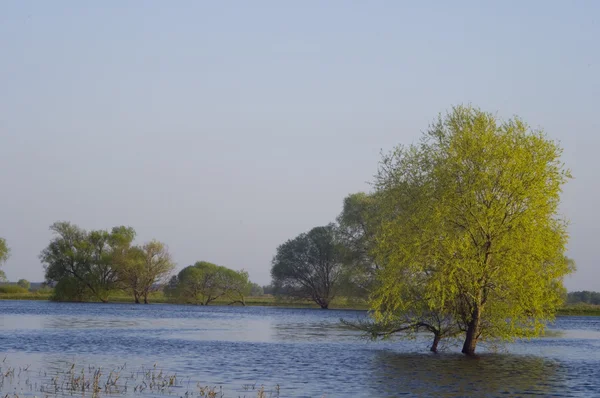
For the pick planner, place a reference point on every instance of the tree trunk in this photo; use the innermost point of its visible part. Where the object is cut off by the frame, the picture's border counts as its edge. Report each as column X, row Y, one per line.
column 436, row 341
column 472, row 333
column 136, row 299
column 145, row 298
column 324, row 306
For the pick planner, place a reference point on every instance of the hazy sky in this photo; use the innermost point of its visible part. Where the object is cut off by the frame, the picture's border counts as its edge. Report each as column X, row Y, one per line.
column 224, row 128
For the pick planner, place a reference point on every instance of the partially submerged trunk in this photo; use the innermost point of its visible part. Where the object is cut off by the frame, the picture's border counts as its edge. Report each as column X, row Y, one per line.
column 436, row 340
column 472, row 333
column 323, row 303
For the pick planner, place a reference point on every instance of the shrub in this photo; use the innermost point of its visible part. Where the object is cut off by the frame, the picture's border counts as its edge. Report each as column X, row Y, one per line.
column 71, row 289
column 24, row 283
column 12, row 289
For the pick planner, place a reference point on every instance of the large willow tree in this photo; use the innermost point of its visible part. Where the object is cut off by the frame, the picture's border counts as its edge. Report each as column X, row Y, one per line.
column 472, row 231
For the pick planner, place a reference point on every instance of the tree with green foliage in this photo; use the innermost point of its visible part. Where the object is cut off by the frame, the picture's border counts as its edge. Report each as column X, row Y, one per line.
column 204, row 282
column 144, row 268
column 4, row 255
column 357, row 227
column 77, row 257
column 24, row 283
column 310, row 266
column 472, row 225
column 256, row 290
column 585, row 297
column 235, row 284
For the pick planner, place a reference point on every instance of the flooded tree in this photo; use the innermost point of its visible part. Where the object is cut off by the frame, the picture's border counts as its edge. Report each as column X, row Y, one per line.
column 84, row 261
column 204, row 282
column 143, row 268
column 310, row 266
column 473, row 225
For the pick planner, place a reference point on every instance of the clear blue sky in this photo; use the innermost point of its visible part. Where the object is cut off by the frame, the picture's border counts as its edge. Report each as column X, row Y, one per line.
column 224, row 128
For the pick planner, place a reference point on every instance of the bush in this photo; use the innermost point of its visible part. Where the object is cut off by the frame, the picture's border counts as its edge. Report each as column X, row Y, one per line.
column 70, row 289
column 24, row 283
column 12, row 289
column 44, row 290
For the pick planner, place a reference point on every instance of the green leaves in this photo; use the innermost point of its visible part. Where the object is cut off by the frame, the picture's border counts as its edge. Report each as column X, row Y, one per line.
column 471, row 226
column 4, row 251
column 85, row 261
column 204, row 282
column 4, row 255
column 140, row 268
column 310, row 266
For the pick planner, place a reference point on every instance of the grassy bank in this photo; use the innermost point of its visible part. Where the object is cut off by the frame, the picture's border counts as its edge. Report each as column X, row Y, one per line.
column 341, row 303
column 160, row 298
column 580, row 309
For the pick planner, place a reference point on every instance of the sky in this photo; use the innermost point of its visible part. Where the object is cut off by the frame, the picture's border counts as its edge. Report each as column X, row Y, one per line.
column 225, row 128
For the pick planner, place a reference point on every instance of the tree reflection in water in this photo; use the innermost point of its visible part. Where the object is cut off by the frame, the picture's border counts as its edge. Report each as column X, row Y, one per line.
column 450, row 375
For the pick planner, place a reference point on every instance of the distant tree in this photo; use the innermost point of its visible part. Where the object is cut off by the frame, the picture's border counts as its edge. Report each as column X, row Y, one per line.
column 4, row 255
column 204, row 282
column 87, row 259
column 199, row 283
column 24, row 283
column 310, row 266
column 256, row 290
column 144, row 267
column 236, row 285
column 357, row 227
column 585, row 297
column 269, row 289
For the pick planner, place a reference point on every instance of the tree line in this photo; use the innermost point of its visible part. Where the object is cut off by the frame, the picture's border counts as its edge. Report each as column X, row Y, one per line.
column 460, row 236
column 90, row 265
column 583, row 297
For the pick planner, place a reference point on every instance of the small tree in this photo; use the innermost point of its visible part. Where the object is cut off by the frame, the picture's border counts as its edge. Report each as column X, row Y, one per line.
column 204, row 282
column 143, row 268
column 310, row 266
column 4, row 255
column 200, row 283
column 24, row 283
column 235, row 284
column 256, row 290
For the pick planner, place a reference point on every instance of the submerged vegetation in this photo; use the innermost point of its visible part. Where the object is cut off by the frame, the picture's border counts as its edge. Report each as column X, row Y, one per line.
column 97, row 381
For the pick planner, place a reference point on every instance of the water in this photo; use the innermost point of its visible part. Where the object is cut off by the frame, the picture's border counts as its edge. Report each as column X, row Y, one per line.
column 304, row 351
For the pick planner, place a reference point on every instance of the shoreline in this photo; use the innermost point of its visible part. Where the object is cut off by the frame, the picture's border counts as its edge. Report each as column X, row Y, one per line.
column 568, row 310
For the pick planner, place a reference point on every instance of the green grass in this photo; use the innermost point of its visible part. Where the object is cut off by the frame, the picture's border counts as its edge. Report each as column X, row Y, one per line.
column 160, row 298
column 12, row 289
column 25, row 296
column 580, row 309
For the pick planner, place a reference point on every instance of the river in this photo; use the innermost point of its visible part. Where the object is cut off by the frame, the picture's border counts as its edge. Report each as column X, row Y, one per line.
column 54, row 349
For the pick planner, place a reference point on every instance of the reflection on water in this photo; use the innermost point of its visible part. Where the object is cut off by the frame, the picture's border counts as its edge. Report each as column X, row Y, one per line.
column 454, row 375
column 307, row 352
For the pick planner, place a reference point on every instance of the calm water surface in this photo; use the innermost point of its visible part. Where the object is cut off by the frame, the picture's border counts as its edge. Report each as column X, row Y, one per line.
column 304, row 351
